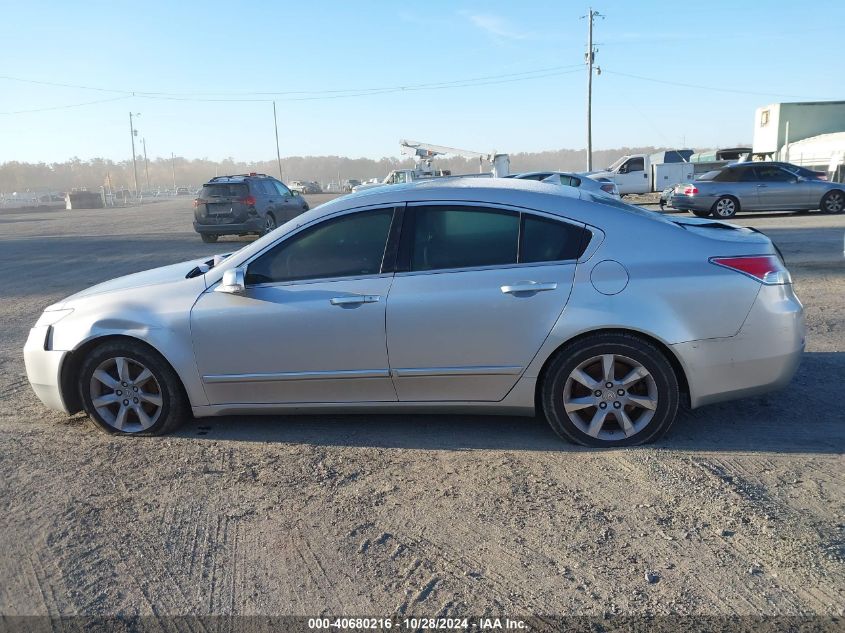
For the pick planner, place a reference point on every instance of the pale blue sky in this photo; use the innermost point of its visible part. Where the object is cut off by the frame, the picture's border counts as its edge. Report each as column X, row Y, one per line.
column 779, row 50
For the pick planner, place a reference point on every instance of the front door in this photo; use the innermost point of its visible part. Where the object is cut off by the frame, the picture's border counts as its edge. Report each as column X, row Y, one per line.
column 310, row 327
column 779, row 189
column 632, row 176
column 474, row 304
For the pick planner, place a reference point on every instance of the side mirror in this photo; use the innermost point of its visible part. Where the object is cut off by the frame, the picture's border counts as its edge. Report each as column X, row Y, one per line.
column 233, row 282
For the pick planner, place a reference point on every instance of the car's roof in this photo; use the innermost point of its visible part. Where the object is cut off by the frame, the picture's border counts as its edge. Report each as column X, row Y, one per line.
column 236, row 178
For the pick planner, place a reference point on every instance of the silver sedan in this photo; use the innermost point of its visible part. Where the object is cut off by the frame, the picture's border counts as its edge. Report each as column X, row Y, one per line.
column 756, row 186
column 472, row 295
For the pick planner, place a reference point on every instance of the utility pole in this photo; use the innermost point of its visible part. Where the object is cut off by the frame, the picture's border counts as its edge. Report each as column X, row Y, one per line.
column 132, row 134
column 278, row 156
column 173, row 169
column 146, row 163
column 590, row 58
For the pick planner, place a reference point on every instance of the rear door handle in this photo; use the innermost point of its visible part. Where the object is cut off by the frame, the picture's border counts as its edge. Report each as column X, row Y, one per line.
column 529, row 286
column 354, row 300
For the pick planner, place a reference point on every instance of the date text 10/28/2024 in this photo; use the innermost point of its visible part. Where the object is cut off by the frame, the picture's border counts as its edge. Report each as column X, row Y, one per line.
column 416, row 624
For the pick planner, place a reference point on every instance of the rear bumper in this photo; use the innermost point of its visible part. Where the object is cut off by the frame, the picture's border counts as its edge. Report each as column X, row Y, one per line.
column 252, row 225
column 43, row 369
column 691, row 203
column 762, row 357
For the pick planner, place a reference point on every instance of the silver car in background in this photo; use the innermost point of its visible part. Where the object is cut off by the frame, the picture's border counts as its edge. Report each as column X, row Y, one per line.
column 756, row 186
column 598, row 185
column 500, row 296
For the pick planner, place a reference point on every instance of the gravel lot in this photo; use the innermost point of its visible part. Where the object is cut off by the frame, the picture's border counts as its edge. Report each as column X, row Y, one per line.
column 740, row 509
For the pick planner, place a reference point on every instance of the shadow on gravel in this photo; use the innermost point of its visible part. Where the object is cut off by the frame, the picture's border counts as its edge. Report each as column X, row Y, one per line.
column 798, row 419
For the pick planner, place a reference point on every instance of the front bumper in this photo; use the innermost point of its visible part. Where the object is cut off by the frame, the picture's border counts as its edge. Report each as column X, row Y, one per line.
column 251, row 225
column 761, row 357
column 43, row 369
column 691, row 203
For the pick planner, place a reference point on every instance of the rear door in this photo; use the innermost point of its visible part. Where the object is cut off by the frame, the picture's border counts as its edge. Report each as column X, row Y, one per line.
column 477, row 290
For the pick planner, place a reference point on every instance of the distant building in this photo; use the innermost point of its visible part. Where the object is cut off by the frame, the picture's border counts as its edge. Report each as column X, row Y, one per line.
column 811, row 134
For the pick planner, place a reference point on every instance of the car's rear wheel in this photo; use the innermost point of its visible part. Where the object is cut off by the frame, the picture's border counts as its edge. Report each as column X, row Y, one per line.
column 833, row 202
column 725, row 207
column 610, row 390
column 129, row 389
column 269, row 223
column 701, row 213
column 209, row 238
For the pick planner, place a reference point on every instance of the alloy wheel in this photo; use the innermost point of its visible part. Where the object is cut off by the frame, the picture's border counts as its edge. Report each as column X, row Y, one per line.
column 610, row 397
column 126, row 394
column 834, row 202
column 725, row 207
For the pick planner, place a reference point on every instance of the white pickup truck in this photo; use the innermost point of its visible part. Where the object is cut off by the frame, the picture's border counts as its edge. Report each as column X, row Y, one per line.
column 638, row 173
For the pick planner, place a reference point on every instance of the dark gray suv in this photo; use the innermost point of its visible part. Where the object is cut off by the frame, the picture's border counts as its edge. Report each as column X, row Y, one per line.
column 244, row 204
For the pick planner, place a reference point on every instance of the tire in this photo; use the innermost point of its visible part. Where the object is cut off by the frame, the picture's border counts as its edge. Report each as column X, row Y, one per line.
column 154, row 402
column 701, row 214
column 209, row 238
column 833, row 202
column 269, row 223
column 725, row 207
column 656, row 392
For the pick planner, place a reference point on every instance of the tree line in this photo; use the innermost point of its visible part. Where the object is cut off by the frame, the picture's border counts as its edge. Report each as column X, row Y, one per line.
column 92, row 174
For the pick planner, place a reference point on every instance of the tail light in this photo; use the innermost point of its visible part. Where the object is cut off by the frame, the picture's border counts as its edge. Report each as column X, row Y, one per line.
column 822, row 176
column 196, row 202
column 767, row 269
column 690, row 190
column 249, row 201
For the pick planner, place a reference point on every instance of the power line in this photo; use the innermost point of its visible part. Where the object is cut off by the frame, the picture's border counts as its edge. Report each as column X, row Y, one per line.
column 67, row 106
column 700, row 87
column 356, row 91
column 321, row 95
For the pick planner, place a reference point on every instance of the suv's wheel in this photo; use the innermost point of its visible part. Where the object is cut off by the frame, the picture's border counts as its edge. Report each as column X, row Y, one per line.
column 209, row 238
column 127, row 388
column 269, row 223
column 610, row 390
column 833, row 202
column 725, row 207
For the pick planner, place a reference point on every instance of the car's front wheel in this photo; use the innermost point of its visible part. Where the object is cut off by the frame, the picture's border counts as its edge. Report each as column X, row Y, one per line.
column 833, row 202
column 128, row 388
column 610, row 390
column 209, row 238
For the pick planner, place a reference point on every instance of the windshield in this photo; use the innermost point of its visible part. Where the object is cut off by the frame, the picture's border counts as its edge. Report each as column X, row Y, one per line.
column 616, row 163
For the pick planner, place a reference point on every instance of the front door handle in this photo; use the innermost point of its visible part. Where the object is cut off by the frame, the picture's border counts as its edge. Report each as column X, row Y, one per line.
column 529, row 286
column 354, row 300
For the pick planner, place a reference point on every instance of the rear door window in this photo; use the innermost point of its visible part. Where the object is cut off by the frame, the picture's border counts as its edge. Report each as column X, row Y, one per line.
column 462, row 237
column 546, row 240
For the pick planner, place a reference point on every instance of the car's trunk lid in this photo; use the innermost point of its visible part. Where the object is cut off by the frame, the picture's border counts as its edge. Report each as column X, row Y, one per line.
column 223, row 202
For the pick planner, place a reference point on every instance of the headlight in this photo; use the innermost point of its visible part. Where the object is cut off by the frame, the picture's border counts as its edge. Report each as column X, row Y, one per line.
column 52, row 317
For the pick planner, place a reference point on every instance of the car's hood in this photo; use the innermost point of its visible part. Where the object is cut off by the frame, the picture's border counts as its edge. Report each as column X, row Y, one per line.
column 367, row 185
column 600, row 174
column 152, row 277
